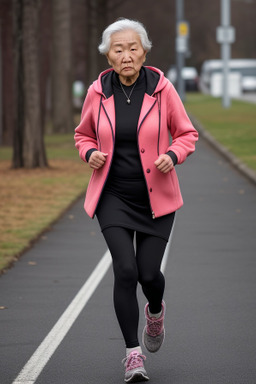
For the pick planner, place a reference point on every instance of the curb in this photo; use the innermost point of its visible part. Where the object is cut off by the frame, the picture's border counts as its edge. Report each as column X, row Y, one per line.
column 234, row 161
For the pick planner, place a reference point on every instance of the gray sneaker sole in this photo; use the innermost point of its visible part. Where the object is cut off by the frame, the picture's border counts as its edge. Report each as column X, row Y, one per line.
column 137, row 377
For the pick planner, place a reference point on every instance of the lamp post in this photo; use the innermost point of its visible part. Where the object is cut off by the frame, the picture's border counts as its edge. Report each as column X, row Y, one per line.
column 181, row 46
column 225, row 36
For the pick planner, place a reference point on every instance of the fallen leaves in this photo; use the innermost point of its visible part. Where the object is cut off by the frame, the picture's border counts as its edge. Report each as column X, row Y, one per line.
column 30, row 200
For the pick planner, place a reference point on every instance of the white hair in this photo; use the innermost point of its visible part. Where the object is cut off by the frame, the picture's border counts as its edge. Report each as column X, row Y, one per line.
column 122, row 25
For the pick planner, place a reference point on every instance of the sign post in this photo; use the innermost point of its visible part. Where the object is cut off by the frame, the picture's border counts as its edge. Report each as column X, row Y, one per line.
column 182, row 33
column 225, row 35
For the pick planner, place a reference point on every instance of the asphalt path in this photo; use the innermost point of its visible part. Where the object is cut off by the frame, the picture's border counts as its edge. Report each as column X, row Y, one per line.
column 210, row 293
column 249, row 97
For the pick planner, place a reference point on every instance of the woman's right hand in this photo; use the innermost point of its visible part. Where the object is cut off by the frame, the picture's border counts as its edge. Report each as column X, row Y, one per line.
column 97, row 159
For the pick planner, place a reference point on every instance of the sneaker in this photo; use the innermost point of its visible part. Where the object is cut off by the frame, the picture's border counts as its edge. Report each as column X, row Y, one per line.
column 134, row 368
column 154, row 332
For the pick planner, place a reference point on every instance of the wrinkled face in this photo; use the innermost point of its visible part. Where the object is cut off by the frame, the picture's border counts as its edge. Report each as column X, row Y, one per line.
column 126, row 55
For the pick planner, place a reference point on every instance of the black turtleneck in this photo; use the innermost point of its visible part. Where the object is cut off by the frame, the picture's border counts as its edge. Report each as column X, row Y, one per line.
column 126, row 162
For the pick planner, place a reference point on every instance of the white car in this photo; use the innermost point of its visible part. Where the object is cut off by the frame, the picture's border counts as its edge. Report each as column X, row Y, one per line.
column 245, row 67
column 189, row 74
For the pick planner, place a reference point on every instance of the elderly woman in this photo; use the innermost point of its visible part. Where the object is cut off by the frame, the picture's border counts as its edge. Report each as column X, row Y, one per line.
column 128, row 116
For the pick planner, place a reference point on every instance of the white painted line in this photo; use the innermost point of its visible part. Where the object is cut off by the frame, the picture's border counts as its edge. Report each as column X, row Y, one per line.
column 167, row 249
column 46, row 349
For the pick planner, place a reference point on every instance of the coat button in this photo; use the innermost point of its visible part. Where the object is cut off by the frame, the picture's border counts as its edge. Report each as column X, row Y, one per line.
column 150, row 190
column 148, row 170
column 142, row 150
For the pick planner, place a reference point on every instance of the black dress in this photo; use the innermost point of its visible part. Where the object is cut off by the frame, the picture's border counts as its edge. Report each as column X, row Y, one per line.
column 125, row 201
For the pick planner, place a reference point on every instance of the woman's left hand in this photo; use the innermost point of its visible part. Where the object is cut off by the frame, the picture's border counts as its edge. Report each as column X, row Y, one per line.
column 164, row 163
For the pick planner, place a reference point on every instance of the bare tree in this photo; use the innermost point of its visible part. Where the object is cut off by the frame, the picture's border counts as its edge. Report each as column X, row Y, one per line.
column 29, row 151
column 79, row 40
column 98, row 15
column 92, row 40
column 45, row 38
column 6, row 75
column 62, row 110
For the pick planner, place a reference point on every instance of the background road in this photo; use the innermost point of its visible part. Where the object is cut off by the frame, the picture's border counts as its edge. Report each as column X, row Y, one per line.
column 210, row 291
column 248, row 97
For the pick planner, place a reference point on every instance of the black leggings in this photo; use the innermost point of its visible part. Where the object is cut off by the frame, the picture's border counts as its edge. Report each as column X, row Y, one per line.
column 130, row 267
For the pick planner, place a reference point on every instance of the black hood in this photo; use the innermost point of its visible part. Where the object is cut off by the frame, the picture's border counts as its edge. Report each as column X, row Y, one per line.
column 152, row 79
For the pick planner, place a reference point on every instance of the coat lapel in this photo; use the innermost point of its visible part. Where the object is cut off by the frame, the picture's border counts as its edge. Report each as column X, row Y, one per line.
column 109, row 109
column 147, row 105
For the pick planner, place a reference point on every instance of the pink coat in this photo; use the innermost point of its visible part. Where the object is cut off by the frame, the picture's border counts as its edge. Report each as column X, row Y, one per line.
column 162, row 113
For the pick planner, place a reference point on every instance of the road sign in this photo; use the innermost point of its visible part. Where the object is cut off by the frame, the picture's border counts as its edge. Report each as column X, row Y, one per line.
column 225, row 35
column 181, row 44
column 183, row 29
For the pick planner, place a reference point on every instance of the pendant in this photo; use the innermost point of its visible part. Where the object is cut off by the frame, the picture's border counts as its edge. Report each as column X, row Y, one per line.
column 128, row 101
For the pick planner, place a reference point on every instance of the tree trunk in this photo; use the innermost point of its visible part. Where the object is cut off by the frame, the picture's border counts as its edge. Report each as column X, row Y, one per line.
column 29, row 151
column 17, row 161
column 7, row 91
column 45, row 38
column 62, row 109
column 97, row 22
column 92, row 41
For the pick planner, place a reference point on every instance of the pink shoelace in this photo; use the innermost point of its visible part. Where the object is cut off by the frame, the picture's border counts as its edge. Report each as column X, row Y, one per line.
column 154, row 326
column 134, row 360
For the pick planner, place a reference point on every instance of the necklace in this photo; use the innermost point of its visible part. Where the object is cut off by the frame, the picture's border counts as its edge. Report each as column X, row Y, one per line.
column 128, row 97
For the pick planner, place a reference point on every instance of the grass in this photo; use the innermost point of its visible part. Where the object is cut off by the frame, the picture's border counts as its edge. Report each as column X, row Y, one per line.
column 235, row 128
column 31, row 200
